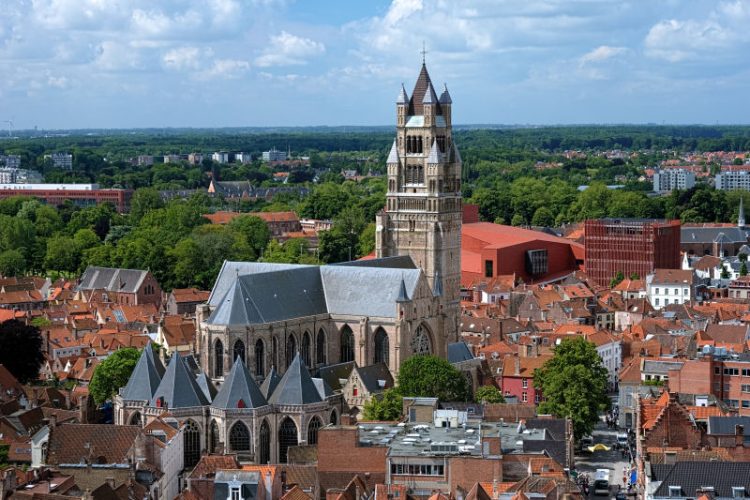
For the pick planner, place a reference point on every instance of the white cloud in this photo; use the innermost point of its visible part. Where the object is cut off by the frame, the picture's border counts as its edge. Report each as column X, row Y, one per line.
column 59, row 82
column 286, row 49
column 184, row 58
column 601, row 53
column 224, row 69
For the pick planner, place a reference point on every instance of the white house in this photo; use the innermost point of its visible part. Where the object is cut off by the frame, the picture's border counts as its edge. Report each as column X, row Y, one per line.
column 609, row 348
column 670, row 286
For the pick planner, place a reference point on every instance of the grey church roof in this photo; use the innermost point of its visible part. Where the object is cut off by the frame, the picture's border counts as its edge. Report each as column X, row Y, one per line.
column 230, row 270
column 371, row 375
column 208, row 388
column 270, row 383
column 395, row 262
column 430, row 97
column 393, row 155
column 111, row 279
column 301, row 291
column 145, row 378
column 238, row 386
column 710, row 234
column 296, row 386
column 324, row 390
column 178, row 387
column 458, row 352
column 334, row 374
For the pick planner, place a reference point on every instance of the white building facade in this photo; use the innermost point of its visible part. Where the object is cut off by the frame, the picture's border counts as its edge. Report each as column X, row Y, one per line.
column 673, row 178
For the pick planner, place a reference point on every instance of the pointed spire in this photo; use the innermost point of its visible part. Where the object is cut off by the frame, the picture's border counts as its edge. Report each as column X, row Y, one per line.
column 741, row 216
column 178, row 388
column 239, row 390
column 445, row 97
column 430, row 97
column 270, row 383
column 145, row 378
column 403, row 295
column 437, row 286
column 434, row 156
column 456, row 154
column 393, row 155
column 296, row 386
column 403, row 97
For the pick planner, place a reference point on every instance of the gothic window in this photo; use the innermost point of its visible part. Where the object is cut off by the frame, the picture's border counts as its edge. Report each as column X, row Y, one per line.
column 320, row 348
column 274, row 351
column 291, row 349
column 239, row 351
column 192, row 444
column 381, row 346
column 306, row 349
column 334, row 418
column 259, row 368
column 287, row 438
column 312, row 430
column 264, row 444
column 419, row 145
column 213, row 437
column 239, row 437
column 347, row 344
column 420, row 341
column 135, row 419
column 218, row 359
column 420, row 175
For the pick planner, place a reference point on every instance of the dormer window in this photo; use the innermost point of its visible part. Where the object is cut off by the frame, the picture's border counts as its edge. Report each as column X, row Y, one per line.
column 675, row 491
column 738, row 492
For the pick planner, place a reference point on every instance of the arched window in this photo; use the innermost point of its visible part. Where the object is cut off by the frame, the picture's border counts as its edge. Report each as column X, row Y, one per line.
column 320, row 348
column 347, row 344
column 218, row 359
column 312, row 430
column 192, row 443
column 291, row 349
column 239, row 351
column 381, row 346
column 275, row 352
column 135, row 419
column 306, row 349
column 420, row 341
column 287, row 438
column 213, row 437
column 239, row 437
column 334, row 418
column 264, row 452
column 260, row 369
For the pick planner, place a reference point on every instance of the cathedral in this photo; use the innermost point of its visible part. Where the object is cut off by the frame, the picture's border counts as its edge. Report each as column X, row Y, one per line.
column 268, row 328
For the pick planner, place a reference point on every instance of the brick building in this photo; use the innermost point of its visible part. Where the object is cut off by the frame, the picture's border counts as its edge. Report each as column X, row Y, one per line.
column 119, row 286
column 79, row 194
column 630, row 246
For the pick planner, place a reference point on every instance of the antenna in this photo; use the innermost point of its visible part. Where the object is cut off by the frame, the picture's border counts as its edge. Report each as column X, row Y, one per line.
column 423, row 52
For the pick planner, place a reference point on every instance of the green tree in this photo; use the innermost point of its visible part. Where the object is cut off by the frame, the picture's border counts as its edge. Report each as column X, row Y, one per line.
column 113, row 373
column 617, row 279
column 742, row 257
column 144, row 200
column 366, row 244
column 21, row 349
column 543, row 217
column 743, row 269
column 634, row 276
column 254, row 232
column 62, row 254
column 389, row 406
column 431, row 376
column 574, row 384
column 488, row 394
column 517, row 220
column 724, row 272
column 12, row 263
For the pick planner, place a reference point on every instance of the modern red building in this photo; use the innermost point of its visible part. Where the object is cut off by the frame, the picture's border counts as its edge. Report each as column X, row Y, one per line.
column 630, row 246
column 79, row 194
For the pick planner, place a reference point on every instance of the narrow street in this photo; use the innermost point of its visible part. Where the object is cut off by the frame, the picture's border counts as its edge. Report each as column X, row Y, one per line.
column 612, row 460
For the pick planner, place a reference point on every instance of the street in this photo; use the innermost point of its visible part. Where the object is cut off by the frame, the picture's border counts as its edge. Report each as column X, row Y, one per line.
column 612, row 460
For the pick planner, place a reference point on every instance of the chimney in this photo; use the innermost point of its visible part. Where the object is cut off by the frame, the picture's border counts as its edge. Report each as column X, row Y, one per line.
column 52, row 419
column 739, row 435
column 269, row 486
column 517, row 362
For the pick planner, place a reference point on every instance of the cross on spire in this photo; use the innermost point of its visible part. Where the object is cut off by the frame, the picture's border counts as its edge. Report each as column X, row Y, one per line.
column 423, row 52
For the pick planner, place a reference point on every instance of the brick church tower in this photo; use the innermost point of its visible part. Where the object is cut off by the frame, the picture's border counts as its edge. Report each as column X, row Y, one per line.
column 422, row 217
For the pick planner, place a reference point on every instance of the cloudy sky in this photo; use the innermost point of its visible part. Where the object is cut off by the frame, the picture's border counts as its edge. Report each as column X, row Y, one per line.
column 144, row 63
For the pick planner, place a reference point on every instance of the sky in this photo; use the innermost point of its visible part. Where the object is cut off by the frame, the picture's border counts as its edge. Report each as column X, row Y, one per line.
column 225, row 63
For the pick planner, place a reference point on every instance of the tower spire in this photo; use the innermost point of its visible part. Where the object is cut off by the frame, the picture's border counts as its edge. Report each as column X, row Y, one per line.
column 423, row 52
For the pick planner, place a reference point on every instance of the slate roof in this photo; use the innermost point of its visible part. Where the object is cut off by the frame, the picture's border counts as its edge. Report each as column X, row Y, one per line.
column 370, row 375
column 710, row 234
column 725, row 426
column 270, row 383
column 402, row 98
column 296, row 387
column 434, row 156
column 111, row 279
column 298, row 291
column 178, row 387
column 393, row 154
column 691, row 476
column 230, row 270
column 145, row 378
column 332, row 374
column 459, row 351
column 422, row 87
column 208, row 388
column 323, row 388
column 238, row 386
column 445, row 97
